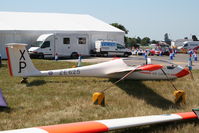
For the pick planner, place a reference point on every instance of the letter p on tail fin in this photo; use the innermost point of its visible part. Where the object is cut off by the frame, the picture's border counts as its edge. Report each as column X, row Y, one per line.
column 19, row 62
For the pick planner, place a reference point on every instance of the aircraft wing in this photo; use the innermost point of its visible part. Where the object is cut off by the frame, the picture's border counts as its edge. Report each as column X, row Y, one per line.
column 148, row 67
column 123, row 71
column 106, row 125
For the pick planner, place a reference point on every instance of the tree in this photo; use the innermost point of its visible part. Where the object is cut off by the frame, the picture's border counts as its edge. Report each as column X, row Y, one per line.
column 131, row 42
column 166, row 38
column 154, row 42
column 145, row 41
column 138, row 40
column 194, row 38
column 121, row 27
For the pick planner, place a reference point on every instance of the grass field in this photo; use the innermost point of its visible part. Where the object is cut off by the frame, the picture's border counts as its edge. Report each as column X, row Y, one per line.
column 56, row 100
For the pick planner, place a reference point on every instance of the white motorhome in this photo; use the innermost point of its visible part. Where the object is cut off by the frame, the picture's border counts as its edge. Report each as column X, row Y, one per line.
column 189, row 45
column 110, row 48
column 60, row 44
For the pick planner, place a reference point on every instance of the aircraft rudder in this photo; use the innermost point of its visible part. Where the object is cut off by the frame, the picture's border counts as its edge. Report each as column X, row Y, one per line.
column 9, row 62
column 19, row 62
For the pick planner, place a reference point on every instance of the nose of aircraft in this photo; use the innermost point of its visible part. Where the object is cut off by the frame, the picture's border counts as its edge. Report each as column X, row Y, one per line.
column 183, row 73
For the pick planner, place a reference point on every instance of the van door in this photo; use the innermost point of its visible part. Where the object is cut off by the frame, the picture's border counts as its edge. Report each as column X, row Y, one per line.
column 120, row 49
column 82, row 45
column 63, row 45
column 47, row 48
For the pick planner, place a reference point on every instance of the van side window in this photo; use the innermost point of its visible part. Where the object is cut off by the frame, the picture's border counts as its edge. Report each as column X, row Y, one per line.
column 66, row 40
column 46, row 44
column 82, row 40
column 119, row 46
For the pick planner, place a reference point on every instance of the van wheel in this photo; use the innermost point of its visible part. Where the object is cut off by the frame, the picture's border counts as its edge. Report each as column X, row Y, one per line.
column 105, row 54
column 126, row 54
column 74, row 55
column 41, row 56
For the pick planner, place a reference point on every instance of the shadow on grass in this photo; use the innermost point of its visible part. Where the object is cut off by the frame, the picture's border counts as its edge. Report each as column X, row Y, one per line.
column 158, row 128
column 41, row 82
column 36, row 83
column 5, row 109
column 140, row 91
column 3, row 65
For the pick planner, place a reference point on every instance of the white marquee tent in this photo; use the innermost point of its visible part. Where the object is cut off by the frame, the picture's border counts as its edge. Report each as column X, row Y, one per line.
column 21, row 27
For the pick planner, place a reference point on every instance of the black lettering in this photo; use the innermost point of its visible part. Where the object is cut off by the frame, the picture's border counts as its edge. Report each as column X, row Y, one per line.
column 70, row 72
column 65, row 72
column 22, row 55
column 73, row 72
column 22, row 65
column 78, row 71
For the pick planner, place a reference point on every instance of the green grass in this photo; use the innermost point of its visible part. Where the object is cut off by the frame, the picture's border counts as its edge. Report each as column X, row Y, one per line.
column 56, row 100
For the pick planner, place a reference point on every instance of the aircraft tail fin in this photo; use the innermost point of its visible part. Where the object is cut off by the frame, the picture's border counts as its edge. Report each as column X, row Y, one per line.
column 19, row 62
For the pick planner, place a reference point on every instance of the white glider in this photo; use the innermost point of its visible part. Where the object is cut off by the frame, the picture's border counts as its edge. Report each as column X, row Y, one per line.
column 20, row 64
column 108, row 125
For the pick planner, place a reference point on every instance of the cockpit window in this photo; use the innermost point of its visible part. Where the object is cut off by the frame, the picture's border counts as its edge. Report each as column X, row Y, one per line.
column 171, row 67
column 131, row 62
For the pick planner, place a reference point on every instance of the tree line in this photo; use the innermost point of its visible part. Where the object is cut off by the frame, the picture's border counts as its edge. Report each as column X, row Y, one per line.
column 134, row 41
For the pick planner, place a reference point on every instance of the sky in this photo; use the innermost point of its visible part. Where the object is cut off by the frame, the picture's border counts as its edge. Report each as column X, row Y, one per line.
column 143, row 18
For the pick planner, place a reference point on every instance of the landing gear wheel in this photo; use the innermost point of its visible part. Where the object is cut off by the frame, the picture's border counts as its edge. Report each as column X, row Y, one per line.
column 24, row 81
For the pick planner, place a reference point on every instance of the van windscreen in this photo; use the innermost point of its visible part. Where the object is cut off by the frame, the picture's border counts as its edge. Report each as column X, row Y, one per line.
column 37, row 44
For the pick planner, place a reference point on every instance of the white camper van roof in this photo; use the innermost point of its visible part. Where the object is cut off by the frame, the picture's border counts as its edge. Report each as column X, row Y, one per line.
column 43, row 37
column 53, row 22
